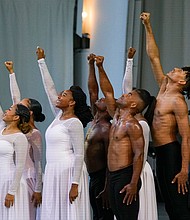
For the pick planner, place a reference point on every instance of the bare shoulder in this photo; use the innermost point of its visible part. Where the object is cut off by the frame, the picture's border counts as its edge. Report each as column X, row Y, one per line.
column 179, row 104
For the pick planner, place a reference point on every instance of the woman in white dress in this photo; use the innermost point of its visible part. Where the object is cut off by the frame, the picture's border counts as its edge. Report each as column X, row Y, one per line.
column 33, row 166
column 13, row 151
column 65, row 187
column 147, row 194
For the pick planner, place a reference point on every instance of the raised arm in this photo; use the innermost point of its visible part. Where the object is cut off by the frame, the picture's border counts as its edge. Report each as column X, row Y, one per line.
column 106, row 86
column 47, row 81
column 152, row 49
column 92, row 83
column 14, row 89
column 127, row 84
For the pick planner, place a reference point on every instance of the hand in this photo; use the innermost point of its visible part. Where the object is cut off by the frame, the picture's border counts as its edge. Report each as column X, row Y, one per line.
column 9, row 66
column 36, row 198
column 145, row 17
column 73, row 194
column 130, row 193
column 40, row 53
column 131, row 52
column 99, row 60
column 9, row 200
column 182, row 181
column 104, row 196
column 91, row 58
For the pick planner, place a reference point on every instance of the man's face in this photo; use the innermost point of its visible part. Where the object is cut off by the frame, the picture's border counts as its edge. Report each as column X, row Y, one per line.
column 177, row 75
column 127, row 99
column 101, row 104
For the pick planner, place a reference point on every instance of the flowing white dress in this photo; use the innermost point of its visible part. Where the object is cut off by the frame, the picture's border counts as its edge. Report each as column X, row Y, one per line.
column 33, row 168
column 65, row 163
column 147, row 193
column 13, row 150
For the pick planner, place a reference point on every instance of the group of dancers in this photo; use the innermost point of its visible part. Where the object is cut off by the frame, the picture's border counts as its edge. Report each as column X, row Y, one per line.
column 113, row 154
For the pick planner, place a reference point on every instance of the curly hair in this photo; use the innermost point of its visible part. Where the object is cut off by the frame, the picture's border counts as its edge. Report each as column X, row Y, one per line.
column 82, row 110
column 186, row 88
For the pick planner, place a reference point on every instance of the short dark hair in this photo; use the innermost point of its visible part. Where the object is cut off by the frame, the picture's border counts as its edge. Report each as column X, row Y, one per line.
column 82, row 110
column 186, row 88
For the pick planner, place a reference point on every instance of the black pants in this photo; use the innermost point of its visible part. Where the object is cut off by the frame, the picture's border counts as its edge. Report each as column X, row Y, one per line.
column 168, row 164
column 97, row 183
column 118, row 179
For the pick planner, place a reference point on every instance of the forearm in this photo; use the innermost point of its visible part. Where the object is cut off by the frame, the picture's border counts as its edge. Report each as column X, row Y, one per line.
column 128, row 77
column 185, row 152
column 14, row 89
column 151, row 46
column 105, row 84
column 137, row 168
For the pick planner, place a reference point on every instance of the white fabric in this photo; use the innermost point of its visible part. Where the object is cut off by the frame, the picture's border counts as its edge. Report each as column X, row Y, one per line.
column 13, row 150
column 147, row 193
column 33, row 167
column 65, row 163
column 127, row 84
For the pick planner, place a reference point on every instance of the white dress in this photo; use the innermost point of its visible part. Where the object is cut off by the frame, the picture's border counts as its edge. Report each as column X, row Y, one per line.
column 33, row 168
column 13, row 150
column 147, row 193
column 65, row 164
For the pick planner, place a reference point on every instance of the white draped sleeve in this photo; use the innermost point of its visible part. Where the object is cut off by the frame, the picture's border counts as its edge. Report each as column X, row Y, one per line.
column 20, row 148
column 127, row 84
column 77, row 139
column 48, row 85
column 15, row 92
column 35, row 141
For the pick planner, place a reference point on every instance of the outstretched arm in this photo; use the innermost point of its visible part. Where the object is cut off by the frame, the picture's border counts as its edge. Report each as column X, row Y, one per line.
column 106, row 86
column 127, row 84
column 152, row 49
column 14, row 89
column 47, row 81
column 92, row 83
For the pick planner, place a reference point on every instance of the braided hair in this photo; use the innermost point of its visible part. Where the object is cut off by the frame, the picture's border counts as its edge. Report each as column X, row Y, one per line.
column 82, row 110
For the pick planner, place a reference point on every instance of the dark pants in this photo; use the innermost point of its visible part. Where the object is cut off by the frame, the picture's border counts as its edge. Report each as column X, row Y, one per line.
column 118, row 179
column 97, row 183
column 168, row 164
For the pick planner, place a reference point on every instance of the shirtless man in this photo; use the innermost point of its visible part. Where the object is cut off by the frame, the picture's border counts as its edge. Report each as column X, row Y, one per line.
column 96, row 144
column 126, row 146
column 170, row 117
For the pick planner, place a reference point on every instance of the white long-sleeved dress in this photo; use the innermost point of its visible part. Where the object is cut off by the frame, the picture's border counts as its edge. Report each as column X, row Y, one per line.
column 33, row 168
column 13, row 150
column 65, row 163
column 147, row 193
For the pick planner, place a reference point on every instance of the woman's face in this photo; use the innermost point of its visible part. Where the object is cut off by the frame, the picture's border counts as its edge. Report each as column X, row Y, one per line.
column 10, row 114
column 64, row 99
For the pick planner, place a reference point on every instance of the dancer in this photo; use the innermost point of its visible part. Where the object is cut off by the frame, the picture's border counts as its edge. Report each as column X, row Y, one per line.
column 147, row 194
column 65, row 189
column 13, row 151
column 33, row 167
column 126, row 146
column 170, row 117
column 96, row 144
